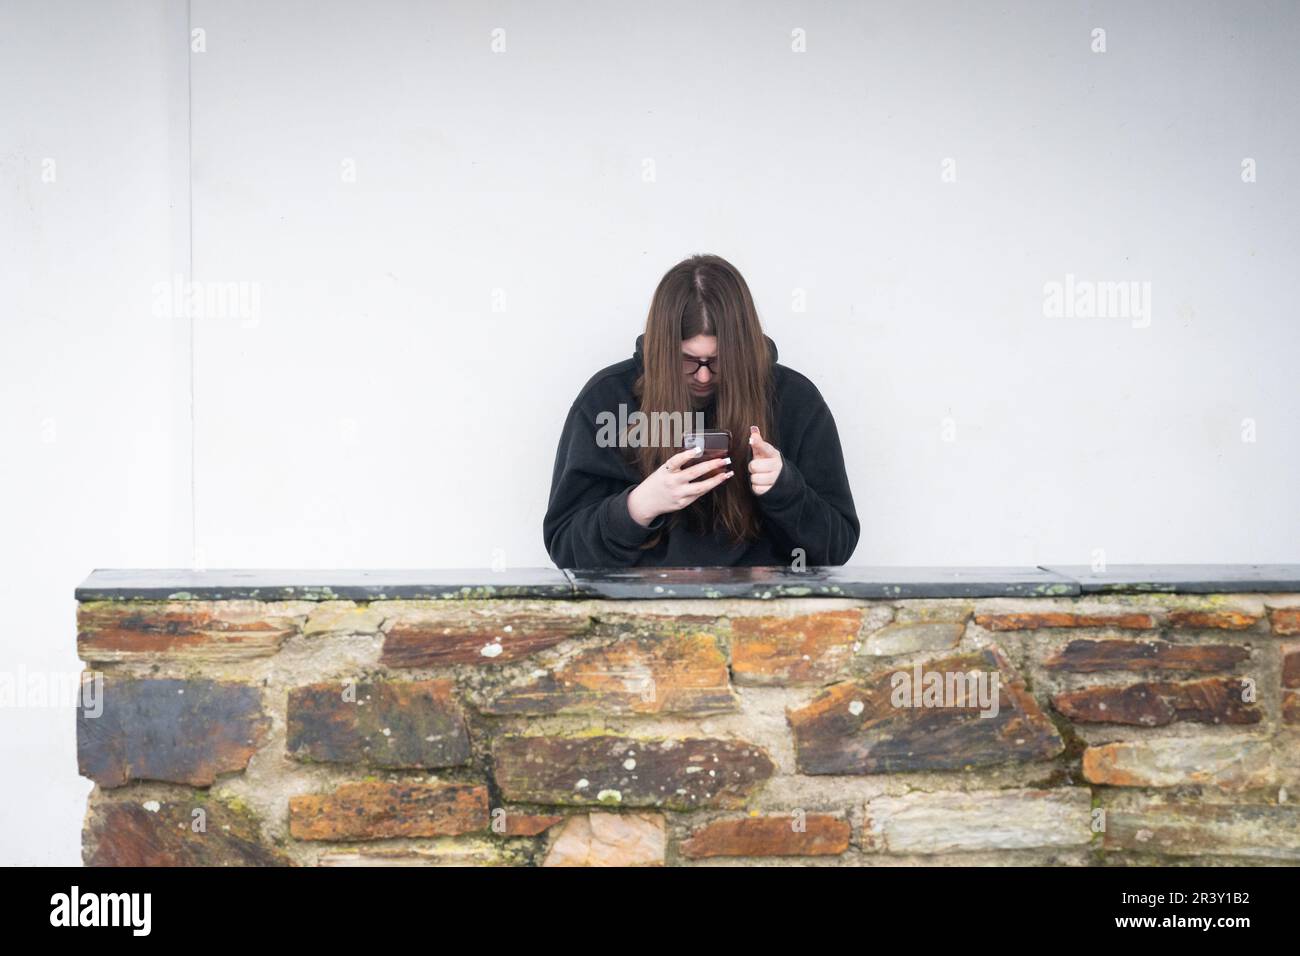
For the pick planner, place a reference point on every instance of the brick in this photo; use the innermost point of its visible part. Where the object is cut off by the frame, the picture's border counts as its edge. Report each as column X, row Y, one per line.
column 1212, row 620
column 681, row 774
column 1030, row 620
column 898, row 638
column 672, row 673
column 1291, row 665
column 376, row 810
column 864, row 727
column 390, row 724
column 201, row 832
column 609, row 839
column 919, row 626
column 1291, row 680
column 109, row 631
column 443, row 851
column 1291, row 707
column 814, row 834
column 1216, row 700
column 177, row 731
column 806, row 649
column 946, row 822
column 1092, row 656
column 1285, row 620
column 1252, row 831
column 1231, row 763
column 442, row 633
column 514, row 823
column 343, row 617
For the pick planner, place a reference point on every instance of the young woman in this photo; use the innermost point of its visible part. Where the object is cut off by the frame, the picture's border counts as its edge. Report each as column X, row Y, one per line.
column 781, row 489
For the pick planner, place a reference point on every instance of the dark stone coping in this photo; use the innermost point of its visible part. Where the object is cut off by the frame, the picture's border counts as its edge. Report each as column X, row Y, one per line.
column 1184, row 578
column 299, row 585
column 849, row 582
column 650, row 583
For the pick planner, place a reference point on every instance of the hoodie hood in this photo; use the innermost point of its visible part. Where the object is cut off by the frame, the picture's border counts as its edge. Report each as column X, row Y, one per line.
column 640, row 365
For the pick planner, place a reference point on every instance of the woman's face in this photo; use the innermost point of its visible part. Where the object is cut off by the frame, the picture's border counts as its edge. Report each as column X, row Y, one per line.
column 700, row 378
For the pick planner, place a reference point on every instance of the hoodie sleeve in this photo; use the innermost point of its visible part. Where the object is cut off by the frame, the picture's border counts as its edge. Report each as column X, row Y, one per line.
column 810, row 506
column 587, row 524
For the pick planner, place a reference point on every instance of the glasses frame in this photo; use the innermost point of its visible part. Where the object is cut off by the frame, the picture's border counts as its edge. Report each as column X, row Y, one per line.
column 700, row 363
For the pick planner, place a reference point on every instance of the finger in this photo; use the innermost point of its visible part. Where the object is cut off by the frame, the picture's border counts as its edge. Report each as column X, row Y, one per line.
column 763, row 465
column 708, row 484
column 759, row 445
column 763, row 481
column 704, row 468
column 680, row 460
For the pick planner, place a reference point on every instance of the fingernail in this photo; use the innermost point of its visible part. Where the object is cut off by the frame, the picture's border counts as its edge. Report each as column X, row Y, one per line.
column 726, row 461
column 699, row 449
column 730, row 473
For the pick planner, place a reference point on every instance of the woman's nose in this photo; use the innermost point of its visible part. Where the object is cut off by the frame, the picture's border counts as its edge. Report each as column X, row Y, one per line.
column 703, row 375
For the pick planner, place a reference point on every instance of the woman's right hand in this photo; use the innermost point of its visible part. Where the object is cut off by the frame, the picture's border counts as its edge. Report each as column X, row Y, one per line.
column 672, row 486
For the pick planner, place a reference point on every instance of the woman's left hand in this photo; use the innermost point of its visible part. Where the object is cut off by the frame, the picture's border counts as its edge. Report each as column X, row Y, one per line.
column 764, row 462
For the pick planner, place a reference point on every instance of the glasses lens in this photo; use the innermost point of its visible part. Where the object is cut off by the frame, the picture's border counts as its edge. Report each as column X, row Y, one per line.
column 690, row 366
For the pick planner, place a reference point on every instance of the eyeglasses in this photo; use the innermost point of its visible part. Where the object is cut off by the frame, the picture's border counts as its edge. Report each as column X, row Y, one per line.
column 691, row 364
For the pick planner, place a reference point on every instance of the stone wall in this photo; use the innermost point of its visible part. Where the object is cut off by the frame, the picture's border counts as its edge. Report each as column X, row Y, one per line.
column 1095, row 728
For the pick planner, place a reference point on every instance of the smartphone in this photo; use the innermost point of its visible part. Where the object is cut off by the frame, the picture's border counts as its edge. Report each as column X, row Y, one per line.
column 715, row 444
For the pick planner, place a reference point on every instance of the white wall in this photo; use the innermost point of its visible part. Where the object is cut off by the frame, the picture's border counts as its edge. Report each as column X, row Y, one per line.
column 376, row 411
column 380, row 413
column 93, row 386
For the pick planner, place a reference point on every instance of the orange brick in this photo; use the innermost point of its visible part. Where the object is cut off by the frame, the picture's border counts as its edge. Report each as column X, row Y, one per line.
column 375, row 811
column 1024, row 621
column 810, row 648
column 785, row 835
column 1213, row 620
column 1286, row 620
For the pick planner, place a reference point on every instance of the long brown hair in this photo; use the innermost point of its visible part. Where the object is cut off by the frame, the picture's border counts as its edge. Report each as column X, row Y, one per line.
column 706, row 295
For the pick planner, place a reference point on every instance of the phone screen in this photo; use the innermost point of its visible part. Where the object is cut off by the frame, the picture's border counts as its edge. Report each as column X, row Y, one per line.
column 716, row 444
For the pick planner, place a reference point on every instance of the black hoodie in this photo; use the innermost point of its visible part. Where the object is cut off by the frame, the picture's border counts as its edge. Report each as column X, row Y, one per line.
column 587, row 523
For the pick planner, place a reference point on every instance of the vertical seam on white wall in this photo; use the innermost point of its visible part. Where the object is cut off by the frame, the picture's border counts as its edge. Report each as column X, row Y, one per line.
column 189, row 181
column 182, row 511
